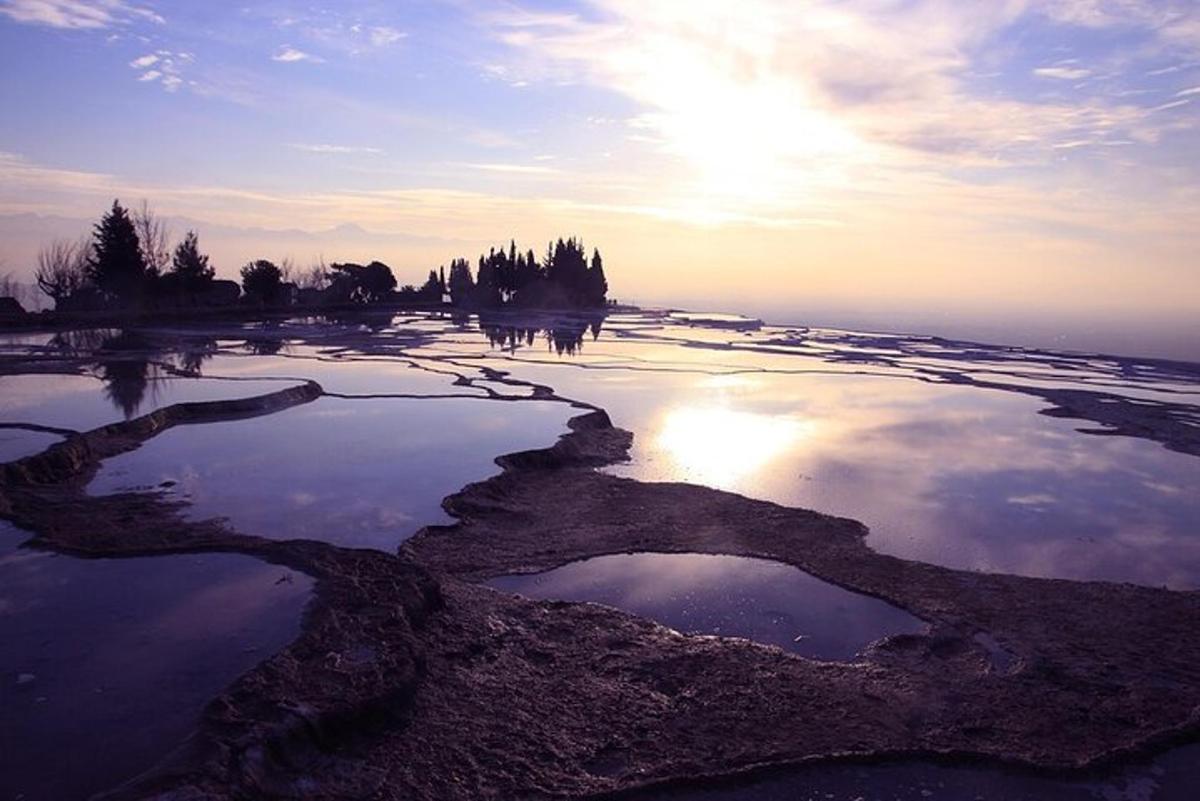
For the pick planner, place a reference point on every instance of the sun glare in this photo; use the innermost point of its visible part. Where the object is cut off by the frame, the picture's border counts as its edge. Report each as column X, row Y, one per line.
column 720, row 447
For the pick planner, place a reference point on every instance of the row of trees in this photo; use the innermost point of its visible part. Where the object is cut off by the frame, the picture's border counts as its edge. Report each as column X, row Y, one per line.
column 128, row 263
column 563, row 278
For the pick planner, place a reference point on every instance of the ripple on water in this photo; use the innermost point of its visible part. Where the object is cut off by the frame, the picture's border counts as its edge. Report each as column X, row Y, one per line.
column 733, row 596
column 106, row 664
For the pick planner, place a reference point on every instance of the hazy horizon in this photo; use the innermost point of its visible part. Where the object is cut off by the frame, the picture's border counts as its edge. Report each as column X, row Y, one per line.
column 1016, row 167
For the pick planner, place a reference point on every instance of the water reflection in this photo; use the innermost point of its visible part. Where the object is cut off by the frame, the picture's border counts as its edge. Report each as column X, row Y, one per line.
column 266, row 340
column 718, row 446
column 563, row 334
column 130, row 364
column 107, row 663
column 956, row 476
column 732, row 596
column 359, row 473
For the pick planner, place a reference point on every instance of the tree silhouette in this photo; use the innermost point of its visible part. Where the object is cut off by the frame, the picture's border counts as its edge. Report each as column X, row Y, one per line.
column 62, row 268
column 262, row 282
column 189, row 267
column 116, row 265
column 153, row 239
column 354, row 283
column 461, row 284
column 506, row 276
column 596, row 285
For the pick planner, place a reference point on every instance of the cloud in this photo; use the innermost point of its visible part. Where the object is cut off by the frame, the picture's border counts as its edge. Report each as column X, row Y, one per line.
column 519, row 169
column 77, row 14
column 383, row 35
column 769, row 102
column 1195, row 90
column 1062, row 73
column 338, row 149
column 1172, row 104
column 164, row 67
column 290, row 55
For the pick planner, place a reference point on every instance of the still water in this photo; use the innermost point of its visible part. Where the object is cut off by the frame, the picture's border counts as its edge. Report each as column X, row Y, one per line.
column 364, row 473
column 107, row 664
column 730, row 596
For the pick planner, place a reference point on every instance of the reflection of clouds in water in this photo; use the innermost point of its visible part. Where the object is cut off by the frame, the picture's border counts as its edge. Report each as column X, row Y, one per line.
column 240, row 599
column 30, row 391
column 952, row 475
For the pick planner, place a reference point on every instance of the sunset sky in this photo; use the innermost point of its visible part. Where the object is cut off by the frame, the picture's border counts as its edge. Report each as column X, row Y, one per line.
column 993, row 156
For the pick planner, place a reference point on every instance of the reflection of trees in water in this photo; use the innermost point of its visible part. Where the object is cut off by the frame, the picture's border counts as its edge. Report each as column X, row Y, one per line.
column 82, row 341
column 131, row 364
column 564, row 335
column 127, row 371
column 193, row 353
column 267, row 340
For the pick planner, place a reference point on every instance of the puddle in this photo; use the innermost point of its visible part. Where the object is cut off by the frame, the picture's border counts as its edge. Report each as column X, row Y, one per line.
column 731, row 596
column 107, row 664
column 361, row 473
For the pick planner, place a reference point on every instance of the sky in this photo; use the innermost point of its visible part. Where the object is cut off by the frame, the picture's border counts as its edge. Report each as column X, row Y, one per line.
column 1003, row 160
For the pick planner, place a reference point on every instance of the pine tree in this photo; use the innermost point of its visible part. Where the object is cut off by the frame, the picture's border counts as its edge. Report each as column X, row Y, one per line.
column 116, row 265
column 190, row 267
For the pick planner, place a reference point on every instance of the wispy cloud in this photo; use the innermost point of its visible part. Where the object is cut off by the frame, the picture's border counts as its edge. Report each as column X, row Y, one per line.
column 518, row 169
column 384, row 35
column 77, row 14
column 290, row 55
column 1062, row 73
column 1172, row 104
column 335, row 149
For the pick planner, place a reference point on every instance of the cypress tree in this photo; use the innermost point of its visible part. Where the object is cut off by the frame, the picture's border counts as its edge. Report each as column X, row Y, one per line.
column 597, row 284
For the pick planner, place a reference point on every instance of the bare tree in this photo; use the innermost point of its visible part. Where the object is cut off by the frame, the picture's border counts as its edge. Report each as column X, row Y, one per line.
column 315, row 276
column 154, row 239
column 63, row 268
column 287, row 269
